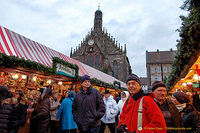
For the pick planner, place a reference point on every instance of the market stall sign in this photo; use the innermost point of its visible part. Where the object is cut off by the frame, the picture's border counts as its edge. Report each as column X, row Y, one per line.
column 195, row 85
column 64, row 70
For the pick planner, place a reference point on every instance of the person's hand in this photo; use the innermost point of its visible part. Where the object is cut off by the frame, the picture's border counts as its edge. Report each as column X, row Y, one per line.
column 122, row 128
column 58, row 104
column 28, row 121
column 57, row 120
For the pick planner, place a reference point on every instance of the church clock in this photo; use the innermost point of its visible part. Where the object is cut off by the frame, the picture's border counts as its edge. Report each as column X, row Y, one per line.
column 90, row 42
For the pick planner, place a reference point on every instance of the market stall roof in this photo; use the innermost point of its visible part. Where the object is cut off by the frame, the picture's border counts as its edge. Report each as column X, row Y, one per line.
column 14, row 44
column 189, row 77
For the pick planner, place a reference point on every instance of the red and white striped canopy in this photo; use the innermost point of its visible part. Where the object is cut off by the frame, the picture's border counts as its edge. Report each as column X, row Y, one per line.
column 14, row 44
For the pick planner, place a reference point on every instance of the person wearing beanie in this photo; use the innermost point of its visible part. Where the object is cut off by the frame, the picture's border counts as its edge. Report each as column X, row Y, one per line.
column 152, row 117
column 189, row 114
column 88, row 107
column 171, row 114
column 5, row 109
column 65, row 115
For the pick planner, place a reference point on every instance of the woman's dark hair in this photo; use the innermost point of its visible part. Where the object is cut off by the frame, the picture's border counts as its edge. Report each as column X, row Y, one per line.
column 20, row 94
column 4, row 93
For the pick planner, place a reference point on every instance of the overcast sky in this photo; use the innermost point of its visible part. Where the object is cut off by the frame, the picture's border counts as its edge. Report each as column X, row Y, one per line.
column 62, row 24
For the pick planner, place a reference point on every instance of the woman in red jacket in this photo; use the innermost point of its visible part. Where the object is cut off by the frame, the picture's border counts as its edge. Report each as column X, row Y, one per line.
column 152, row 118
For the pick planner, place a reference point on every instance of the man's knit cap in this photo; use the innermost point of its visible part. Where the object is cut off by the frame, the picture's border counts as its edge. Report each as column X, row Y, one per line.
column 133, row 77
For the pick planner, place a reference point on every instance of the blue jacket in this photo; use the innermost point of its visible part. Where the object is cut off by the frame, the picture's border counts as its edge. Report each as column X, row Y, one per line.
column 65, row 114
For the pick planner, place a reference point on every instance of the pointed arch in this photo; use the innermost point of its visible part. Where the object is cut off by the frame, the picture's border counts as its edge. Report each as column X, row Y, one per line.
column 90, row 60
column 115, row 69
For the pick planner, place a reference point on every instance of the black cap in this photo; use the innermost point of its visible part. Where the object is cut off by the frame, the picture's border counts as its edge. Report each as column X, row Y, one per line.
column 157, row 84
column 107, row 92
column 85, row 77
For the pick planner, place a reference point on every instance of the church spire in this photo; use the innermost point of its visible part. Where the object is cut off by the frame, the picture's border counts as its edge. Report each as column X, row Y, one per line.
column 99, row 6
column 125, row 48
column 71, row 52
column 98, row 20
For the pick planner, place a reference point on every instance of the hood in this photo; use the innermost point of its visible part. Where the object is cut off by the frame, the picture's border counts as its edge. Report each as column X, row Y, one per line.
column 127, row 94
column 45, row 91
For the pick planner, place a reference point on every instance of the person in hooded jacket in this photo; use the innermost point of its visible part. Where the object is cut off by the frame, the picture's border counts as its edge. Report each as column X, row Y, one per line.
column 18, row 115
column 188, row 113
column 41, row 114
column 5, row 109
column 111, row 112
column 124, row 97
column 65, row 114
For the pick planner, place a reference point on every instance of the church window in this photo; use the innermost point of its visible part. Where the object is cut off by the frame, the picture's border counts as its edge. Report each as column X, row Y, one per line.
column 97, row 62
column 90, row 60
column 115, row 69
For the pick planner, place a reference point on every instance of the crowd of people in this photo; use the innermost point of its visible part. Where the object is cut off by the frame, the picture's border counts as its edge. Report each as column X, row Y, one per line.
column 134, row 111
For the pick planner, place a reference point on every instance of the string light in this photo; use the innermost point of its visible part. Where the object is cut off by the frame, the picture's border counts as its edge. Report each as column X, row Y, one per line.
column 34, row 78
column 184, row 84
column 24, row 76
column 49, row 81
column 60, row 83
column 15, row 76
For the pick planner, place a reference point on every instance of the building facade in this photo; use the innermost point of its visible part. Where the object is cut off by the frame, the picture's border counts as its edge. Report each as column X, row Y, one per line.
column 158, row 65
column 144, row 83
column 101, row 51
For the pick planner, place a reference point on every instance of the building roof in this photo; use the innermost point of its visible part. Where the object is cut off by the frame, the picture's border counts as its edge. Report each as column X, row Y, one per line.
column 160, row 57
column 143, row 80
column 14, row 44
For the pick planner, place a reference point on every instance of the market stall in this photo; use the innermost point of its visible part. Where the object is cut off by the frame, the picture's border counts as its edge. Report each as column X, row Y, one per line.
column 19, row 52
column 190, row 82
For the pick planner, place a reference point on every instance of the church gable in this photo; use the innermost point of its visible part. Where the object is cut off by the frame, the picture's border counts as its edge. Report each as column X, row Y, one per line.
column 100, row 50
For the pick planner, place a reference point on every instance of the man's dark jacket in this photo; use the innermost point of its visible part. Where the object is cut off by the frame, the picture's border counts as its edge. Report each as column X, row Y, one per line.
column 88, row 108
column 40, row 116
column 18, row 116
column 176, row 117
column 5, row 112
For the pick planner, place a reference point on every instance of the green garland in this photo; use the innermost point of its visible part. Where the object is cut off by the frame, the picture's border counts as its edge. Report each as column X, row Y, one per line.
column 101, row 83
column 13, row 61
column 125, row 89
column 118, row 83
column 189, row 42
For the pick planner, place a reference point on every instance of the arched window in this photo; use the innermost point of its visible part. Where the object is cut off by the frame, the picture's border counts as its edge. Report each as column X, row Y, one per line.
column 90, row 60
column 97, row 62
column 115, row 69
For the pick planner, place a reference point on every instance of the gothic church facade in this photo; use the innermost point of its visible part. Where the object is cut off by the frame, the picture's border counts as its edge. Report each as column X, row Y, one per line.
column 101, row 51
